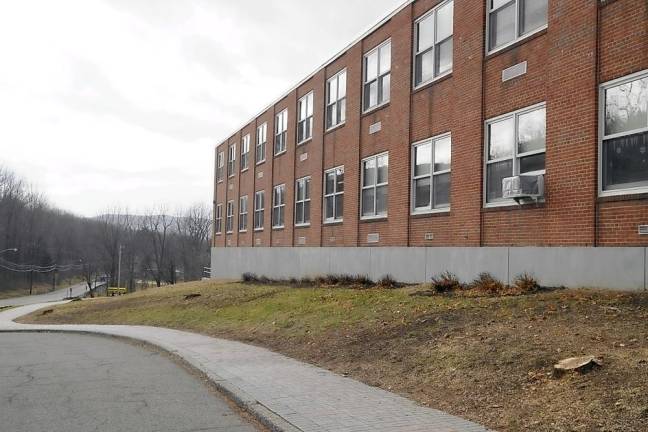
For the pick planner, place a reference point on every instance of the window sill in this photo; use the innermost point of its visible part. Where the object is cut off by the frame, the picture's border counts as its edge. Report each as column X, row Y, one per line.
column 245, row 170
column 281, row 153
column 369, row 219
column 231, row 176
column 432, row 82
column 515, row 43
column 256, row 230
column 375, row 109
column 306, row 141
column 511, row 205
column 260, row 162
column 278, row 228
column 306, row 225
column 242, row 231
column 429, row 213
column 333, row 222
column 623, row 195
column 336, row 127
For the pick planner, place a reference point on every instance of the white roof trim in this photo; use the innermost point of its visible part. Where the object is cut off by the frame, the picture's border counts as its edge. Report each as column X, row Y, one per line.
column 325, row 64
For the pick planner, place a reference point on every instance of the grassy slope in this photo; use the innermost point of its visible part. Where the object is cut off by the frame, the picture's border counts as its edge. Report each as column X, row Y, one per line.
column 487, row 359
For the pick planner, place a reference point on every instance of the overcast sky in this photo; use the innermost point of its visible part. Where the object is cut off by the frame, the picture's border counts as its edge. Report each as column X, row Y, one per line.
column 109, row 103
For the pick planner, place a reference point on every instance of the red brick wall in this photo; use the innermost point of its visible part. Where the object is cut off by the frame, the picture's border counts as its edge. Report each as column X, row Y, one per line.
column 562, row 72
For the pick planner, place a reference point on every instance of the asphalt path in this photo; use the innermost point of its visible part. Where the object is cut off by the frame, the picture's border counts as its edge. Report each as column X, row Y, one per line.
column 57, row 295
column 52, row 382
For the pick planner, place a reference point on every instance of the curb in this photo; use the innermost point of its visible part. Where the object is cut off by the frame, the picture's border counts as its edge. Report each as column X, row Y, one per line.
column 268, row 418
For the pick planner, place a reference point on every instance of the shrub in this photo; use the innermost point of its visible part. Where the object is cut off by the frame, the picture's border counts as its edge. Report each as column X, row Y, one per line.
column 526, row 283
column 250, row 278
column 388, row 282
column 446, row 282
column 487, row 283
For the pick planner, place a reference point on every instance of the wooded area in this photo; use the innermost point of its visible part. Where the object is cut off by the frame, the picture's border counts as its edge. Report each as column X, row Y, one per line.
column 52, row 243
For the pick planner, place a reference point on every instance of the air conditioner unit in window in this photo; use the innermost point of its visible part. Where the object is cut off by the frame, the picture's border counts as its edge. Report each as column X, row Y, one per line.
column 523, row 187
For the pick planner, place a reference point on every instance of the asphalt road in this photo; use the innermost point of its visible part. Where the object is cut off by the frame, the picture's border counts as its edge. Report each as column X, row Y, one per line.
column 53, row 382
column 57, row 295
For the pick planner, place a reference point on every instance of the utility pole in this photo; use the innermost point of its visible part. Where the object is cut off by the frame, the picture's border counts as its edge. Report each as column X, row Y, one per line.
column 31, row 281
column 119, row 267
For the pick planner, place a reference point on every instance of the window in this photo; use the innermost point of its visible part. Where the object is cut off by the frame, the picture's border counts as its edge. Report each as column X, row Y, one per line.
column 377, row 76
column 243, row 213
column 624, row 135
column 511, row 20
column 245, row 152
column 336, row 100
column 278, row 206
column 281, row 132
column 259, row 210
column 431, row 174
column 305, row 125
column 302, row 201
column 516, row 145
column 334, row 194
column 261, row 138
column 219, row 219
column 229, row 222
column 231, row 160
column 220, row 166
column 433, row 44
column 375, row 176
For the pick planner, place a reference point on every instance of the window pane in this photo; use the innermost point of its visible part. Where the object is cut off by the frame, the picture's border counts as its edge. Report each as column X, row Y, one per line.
column 383, row 169
column 444, row 21
column 441, row 190
column 502, row 26
column 533, row 14
column 371, row 66
column 425, row 33
column 309, row 105
column 422, row 193
column 497, row 3
column 340, row 180
column 299, row 213
column 369, row 172
column 342, row 111
column 626, row 107
column 385, row 59
column 532, row 163
column 332, row 91
column 625, row 162
column 371, row 94
column 342, row 85
column 442, row 154
column 381, row 200
column 532, row 134
column 306, row 212
column 330, row 116
column 502, row 138
column 444, row 57
column 329, row 207
column 329, row 184
column 339, row 206
column 495, row 173
column 424, row 67
column 307, row 188
column 422, row 159
column 300, row 190
column 368, row 202
column 385, row 88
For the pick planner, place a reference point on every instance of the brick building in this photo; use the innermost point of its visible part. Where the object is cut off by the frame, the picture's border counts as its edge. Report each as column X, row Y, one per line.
column 404, row 138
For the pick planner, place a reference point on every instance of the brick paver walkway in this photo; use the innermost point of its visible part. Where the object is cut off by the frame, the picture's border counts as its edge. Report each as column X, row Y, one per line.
column 288, row 394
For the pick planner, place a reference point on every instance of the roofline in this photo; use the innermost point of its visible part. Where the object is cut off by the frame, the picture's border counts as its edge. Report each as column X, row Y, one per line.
column 319, row 68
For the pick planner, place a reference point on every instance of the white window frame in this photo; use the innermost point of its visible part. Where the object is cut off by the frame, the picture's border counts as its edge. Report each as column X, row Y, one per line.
column 602, row 137
column 261, row 143
column 340, row 102
column 309, row 100
column 502, row 202
column 281, row 132
column 245, row 153
column 220, row 167
column 375, row 186
column 433, row 48
column 518, row 37
column 218, row 229
column 432, row 141
column 281, row 206
column 243, row 214
column 307, row 199
column 333, row 195
column 259, row 210
column 229, row 218
column 378, row 78
column 231, row 161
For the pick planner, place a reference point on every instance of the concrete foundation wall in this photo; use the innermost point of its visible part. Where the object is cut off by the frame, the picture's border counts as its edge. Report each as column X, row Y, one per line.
column 572, row 267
